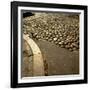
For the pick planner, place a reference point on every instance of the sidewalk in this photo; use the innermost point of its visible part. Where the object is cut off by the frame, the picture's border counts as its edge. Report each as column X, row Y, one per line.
column 60, row 60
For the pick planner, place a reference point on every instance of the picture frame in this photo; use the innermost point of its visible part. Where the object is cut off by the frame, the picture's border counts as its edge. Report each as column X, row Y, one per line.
column 20, row 10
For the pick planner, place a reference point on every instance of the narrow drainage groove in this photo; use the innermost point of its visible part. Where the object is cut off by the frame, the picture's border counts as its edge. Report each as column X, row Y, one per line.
column 45, row 68
column 45, row 64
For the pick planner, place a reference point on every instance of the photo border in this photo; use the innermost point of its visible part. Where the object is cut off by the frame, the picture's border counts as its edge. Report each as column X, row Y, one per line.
column 55, row 77
column 14, row 43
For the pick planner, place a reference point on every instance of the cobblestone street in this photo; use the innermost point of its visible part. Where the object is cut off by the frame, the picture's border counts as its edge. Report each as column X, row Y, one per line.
column 57, row 36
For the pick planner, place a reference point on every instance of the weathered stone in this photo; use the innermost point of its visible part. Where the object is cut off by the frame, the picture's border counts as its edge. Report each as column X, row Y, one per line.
column 54, row 39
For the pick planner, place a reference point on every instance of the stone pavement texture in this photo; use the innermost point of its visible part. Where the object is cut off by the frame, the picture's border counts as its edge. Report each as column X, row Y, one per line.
column 57, row 35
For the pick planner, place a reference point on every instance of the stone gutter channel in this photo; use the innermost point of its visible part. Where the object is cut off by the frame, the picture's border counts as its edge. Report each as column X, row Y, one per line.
column 38, row 62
